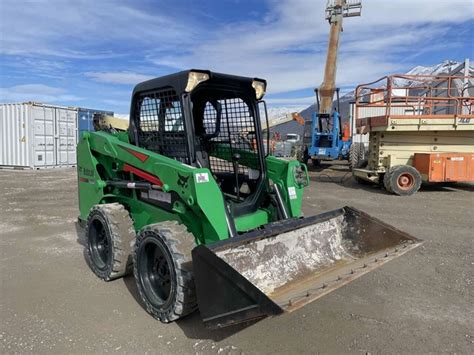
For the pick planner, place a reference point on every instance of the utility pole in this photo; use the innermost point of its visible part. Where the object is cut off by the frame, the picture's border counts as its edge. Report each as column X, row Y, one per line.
column 336, row 10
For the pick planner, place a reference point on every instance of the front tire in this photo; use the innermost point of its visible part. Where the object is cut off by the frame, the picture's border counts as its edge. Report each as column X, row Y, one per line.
column 403, row 180
column 109, row 239
column 163, row 270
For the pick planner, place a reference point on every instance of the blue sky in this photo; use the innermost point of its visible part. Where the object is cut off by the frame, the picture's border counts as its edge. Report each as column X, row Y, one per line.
column 91, row 53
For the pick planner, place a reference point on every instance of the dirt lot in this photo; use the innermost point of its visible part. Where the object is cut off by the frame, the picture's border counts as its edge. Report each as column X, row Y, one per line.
column 422, row 302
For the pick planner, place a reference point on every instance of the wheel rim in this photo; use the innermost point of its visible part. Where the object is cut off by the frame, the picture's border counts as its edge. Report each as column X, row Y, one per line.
column 99, row 245
column 405, row 181
column 155, row 272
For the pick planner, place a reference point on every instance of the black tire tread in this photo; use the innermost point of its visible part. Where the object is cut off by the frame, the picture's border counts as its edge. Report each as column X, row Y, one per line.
column 387, row 184
column 180, row 244
column 395, row 170
column 123, row 236
column 357, row 155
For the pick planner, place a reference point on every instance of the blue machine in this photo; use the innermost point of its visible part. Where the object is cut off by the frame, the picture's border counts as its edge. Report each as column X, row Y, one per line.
column 326, row 140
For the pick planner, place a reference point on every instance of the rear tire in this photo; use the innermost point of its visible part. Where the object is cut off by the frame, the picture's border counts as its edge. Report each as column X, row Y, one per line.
column 386, row 180
column 302, row 155
column 162, row 269
column 403, row 180
column 109, row 241
column 357, row 157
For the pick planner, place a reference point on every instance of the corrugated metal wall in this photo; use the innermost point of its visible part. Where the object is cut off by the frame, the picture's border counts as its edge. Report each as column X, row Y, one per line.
column 14, row 147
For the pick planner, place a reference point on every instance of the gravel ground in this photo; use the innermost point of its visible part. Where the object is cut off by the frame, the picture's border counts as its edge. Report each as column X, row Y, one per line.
column 421, row 302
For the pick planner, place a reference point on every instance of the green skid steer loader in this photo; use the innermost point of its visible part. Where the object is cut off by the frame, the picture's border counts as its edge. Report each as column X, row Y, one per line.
column 188, row 201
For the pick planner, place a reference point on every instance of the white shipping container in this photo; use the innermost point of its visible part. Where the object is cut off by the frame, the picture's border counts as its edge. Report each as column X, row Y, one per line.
column 34, row 135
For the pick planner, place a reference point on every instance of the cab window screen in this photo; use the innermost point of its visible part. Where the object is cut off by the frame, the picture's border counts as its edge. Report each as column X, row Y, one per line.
column 160, row 124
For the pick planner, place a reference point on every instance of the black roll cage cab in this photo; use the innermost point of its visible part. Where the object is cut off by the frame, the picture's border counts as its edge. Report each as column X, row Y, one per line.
column 216, row 84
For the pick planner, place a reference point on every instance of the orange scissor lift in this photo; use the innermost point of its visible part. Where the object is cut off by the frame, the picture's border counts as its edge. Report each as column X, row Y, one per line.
column 421, row 129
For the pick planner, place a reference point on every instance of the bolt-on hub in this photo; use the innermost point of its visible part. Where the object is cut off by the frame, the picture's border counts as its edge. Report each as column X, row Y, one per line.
column 99, row 245
column 405, row 181
column 155, row 273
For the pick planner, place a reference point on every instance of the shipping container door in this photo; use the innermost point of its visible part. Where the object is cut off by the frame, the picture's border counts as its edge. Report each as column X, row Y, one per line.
column 61, row 137
column 49, row 136
column 14, row 142
column 71, row 136
column 43, row 133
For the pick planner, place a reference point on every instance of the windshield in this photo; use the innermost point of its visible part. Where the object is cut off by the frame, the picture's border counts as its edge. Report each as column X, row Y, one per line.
column 225, row 123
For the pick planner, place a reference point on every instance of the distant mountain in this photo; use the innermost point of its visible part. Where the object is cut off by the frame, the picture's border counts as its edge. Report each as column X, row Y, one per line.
column 441, row 68
column 280, row 112
column 437, row 69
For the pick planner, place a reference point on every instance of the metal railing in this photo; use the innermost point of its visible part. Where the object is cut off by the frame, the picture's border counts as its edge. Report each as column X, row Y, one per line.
column 423, row 96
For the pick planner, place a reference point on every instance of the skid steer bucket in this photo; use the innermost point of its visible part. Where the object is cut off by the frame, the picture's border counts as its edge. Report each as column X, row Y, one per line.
column 290, row 263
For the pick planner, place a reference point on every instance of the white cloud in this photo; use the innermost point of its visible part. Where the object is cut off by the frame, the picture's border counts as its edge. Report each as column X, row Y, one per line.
column 86, row 29
column 287, row 46
column 118, row 77
column 36, row 92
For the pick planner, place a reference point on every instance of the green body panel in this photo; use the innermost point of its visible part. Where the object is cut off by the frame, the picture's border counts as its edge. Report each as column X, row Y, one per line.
column 253, row 220
column 282, row 173
column 199, row 204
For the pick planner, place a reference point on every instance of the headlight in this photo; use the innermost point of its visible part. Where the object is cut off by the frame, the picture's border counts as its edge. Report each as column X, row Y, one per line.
column 259, row 87
column 194, row 79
